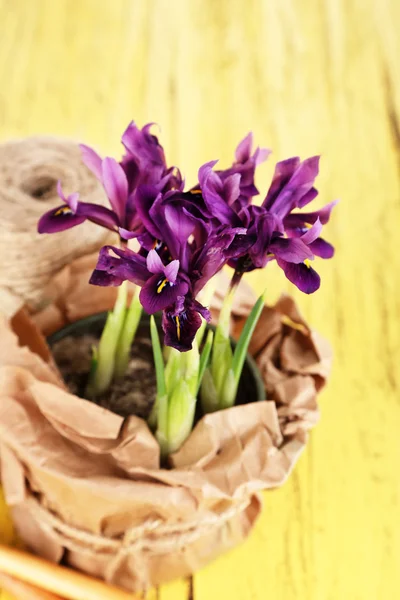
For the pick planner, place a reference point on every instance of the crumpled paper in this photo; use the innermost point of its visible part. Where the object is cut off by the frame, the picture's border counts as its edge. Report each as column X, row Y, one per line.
column 85, row 486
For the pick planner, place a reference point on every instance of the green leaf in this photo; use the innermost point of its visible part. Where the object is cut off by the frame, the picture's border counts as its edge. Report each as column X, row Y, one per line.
column 100, row 379
column 158, row 358
column 192, row 363
column 174, row 369
column 242, row 346
column 181, row 411
column 127, row 335
column 208, row 393
column 222, row 355
column 159, row 414
column 229, row 390
column 204, row 358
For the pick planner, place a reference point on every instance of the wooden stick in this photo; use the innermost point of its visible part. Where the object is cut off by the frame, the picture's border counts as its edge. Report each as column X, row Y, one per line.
column 65, row 582
column 24, row 591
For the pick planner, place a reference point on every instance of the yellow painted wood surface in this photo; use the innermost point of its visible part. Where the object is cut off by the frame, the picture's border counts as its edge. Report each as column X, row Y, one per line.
column 307, row 76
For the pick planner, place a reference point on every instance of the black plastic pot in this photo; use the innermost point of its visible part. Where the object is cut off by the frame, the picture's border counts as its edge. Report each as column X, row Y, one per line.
column 251, row 386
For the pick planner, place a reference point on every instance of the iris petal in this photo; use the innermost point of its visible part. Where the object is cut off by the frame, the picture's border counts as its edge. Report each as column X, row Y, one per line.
column 180, row 328
column 312, row 233
column 59, row 219
column 158, row 293
column 304, row 277
column 322, row 248
column 92, row 160
column 101, row 215
column 292, row 250
column 116, row 185
column 126, row 265
column 154, row 262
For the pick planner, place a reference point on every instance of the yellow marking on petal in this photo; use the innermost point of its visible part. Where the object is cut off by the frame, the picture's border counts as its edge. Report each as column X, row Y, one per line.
column 195, row 191
column 64, row 210
column 178, row 328
column 162, row 286
column 307, row 263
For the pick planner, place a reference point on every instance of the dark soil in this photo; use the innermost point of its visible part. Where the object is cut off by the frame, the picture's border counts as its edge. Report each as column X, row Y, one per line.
column 133, row 394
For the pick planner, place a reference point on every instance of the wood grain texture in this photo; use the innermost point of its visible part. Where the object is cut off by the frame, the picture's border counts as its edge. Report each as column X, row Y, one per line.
column 307, row 76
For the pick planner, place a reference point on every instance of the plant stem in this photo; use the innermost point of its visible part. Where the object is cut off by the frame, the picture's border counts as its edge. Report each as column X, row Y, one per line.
column 127, row 335
column 159, row 415
column 101, row 376
column 181, row 411
column 222, row 355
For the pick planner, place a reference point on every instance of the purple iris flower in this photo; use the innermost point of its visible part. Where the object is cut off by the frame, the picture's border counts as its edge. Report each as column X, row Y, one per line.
column 182, row 252
column 181, row 322
column 143, row 163
column 245, row 166
column 273, row 230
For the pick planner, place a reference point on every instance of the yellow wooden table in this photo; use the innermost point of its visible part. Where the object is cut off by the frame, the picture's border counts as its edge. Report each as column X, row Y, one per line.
column 307, row 76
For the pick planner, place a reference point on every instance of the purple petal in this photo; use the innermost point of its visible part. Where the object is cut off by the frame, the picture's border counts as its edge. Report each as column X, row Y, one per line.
column 154, row 263
column 308, row 197
column 213, row 256
column 115, row 185
column 92, row 160
column 104, row 279
column 59, row 219
column 158, row 293
column 297, row 220
column 180, row 328
column 261, row 155
column 304, row 277
column 322, row 248
column 147, row 197
column 205, row 313
column 127, row 235
column 232, row 188
column 145, row 148
column 290, row 184
column 212, row 190
column 312, row 233
column 132, row 172
column 243, row 150
column 323, row 214
column 126, row 266
column 262, row 230
column 205, row 169
column 283, row 172
column 71, row 200
column 181, row 222
column 98, row 214
column 171, row 271
column 292, row 250
column 60, row 192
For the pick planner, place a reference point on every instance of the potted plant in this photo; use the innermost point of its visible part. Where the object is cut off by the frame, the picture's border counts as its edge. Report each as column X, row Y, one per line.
column 152, row 466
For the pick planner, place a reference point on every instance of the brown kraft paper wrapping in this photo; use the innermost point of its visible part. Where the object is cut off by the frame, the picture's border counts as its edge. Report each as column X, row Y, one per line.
column 84, row 485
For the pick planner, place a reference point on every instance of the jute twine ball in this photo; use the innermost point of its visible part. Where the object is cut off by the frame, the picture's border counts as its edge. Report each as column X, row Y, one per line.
column 29, row 171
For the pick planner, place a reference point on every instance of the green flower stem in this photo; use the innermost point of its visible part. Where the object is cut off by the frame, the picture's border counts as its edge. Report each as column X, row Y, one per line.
column 208, row 393
column 181, row 411
column 160, row 411
column 205, row 298
column 222, row 355
column 229, row 392
column 174, row 370
column 127, row 336
column 204, row 358
column 101, row 376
